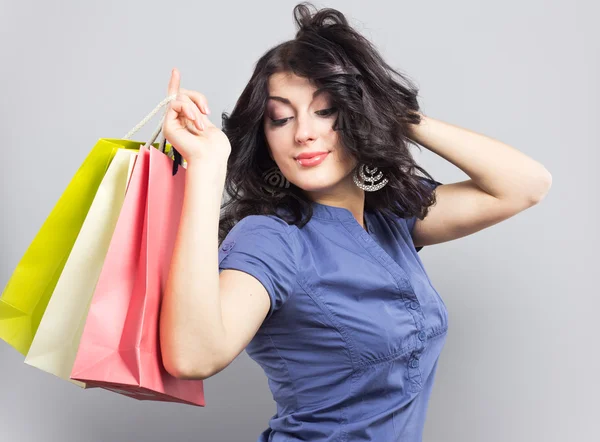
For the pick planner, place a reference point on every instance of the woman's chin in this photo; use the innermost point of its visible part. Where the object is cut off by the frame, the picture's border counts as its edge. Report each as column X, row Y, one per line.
column 316, row 187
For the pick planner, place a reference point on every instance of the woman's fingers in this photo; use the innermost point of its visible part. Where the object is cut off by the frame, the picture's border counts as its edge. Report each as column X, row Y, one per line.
column 197, row 116
column 173, row 89
column 179, row 106
column 186, row 110
column 174, row 82
column 192, row 111
column 193, row 107
column 197, row 98
column 181, row 109
column 187, row 104
column 201, row 104
column 198, row 121
column 189, row 110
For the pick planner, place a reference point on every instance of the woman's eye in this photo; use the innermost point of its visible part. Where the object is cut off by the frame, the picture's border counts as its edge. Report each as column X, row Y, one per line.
column 280, row 122
column 327, row 112
column 323, row 113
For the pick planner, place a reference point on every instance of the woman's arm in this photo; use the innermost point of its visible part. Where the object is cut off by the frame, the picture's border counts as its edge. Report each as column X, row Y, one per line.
column 504, row 182
column 192, row 332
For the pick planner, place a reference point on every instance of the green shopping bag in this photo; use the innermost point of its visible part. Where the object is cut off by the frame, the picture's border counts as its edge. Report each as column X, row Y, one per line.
column 28, row 290
column 30, row 287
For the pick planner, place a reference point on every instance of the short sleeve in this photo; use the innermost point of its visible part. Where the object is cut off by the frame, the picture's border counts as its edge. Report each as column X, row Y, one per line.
column 262, row 246
column 410, row 222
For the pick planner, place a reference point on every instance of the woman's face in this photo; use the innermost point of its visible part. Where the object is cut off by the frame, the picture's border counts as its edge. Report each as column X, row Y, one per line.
column 305, row 126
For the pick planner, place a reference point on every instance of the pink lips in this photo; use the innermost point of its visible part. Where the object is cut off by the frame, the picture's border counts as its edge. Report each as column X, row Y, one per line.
column 312, row 161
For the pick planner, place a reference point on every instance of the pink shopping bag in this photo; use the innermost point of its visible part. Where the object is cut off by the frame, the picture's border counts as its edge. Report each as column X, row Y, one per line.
column 120, row 348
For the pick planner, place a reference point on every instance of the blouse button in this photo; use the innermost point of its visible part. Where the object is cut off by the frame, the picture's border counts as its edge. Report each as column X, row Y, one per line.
column 414, row 305
column 422, row 335
column 414, row 363
column 227, row 246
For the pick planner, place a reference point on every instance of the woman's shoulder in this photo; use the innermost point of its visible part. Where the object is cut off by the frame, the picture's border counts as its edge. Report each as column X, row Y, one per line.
column 269, row 228
column 263, row 224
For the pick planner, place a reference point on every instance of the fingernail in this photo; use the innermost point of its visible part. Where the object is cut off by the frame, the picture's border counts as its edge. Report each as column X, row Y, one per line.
column 207, row 110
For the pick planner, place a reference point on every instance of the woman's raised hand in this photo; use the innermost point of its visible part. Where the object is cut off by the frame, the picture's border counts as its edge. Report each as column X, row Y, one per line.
column 186, row 126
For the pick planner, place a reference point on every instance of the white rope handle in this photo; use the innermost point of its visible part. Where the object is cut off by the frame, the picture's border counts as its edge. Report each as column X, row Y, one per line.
column 149, row 116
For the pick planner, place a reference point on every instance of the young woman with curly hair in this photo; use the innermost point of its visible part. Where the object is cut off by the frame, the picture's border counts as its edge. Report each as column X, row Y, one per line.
column 312, row 265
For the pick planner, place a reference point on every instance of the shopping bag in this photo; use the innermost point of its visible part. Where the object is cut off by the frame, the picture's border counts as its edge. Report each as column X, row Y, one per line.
column 99, row 350
column 57, row 338
column 119, row 349
column 132, row 159
column 29, row 288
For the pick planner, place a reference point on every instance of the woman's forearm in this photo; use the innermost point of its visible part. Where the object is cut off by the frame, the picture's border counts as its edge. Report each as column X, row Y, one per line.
column 497, row 168
column 191, row 326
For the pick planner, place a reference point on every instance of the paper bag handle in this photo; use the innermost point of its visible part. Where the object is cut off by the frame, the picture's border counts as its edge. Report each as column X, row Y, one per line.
column 158, row 129
column 176, row 156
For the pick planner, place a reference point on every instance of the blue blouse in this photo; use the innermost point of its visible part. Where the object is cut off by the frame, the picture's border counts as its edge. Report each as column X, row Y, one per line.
column 352, row 338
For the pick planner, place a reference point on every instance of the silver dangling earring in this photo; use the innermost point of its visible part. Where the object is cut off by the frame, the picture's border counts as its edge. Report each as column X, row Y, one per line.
column 273, row 177
column 369, row 174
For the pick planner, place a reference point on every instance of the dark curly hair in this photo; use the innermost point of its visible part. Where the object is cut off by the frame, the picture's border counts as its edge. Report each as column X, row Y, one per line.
column 374, row 113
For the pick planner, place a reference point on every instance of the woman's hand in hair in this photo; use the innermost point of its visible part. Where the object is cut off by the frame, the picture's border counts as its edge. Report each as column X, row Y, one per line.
column 188, row 129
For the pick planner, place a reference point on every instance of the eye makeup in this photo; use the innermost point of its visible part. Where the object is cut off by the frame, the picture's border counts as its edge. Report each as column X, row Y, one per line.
column 324, row 113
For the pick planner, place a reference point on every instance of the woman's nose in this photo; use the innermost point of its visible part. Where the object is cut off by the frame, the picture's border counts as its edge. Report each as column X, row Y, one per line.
column 305, row 129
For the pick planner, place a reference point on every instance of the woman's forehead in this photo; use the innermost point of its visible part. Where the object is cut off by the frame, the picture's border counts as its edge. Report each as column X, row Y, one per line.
column 294, row 90
column 282, row 82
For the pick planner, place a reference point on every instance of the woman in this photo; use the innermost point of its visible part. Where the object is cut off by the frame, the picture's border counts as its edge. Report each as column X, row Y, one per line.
column 318, row 276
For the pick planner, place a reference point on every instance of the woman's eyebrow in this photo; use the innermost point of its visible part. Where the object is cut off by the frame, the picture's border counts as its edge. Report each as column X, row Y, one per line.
column 286, row 101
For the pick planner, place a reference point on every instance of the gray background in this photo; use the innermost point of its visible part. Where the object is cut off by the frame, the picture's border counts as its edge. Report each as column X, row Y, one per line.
column 520, row 362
